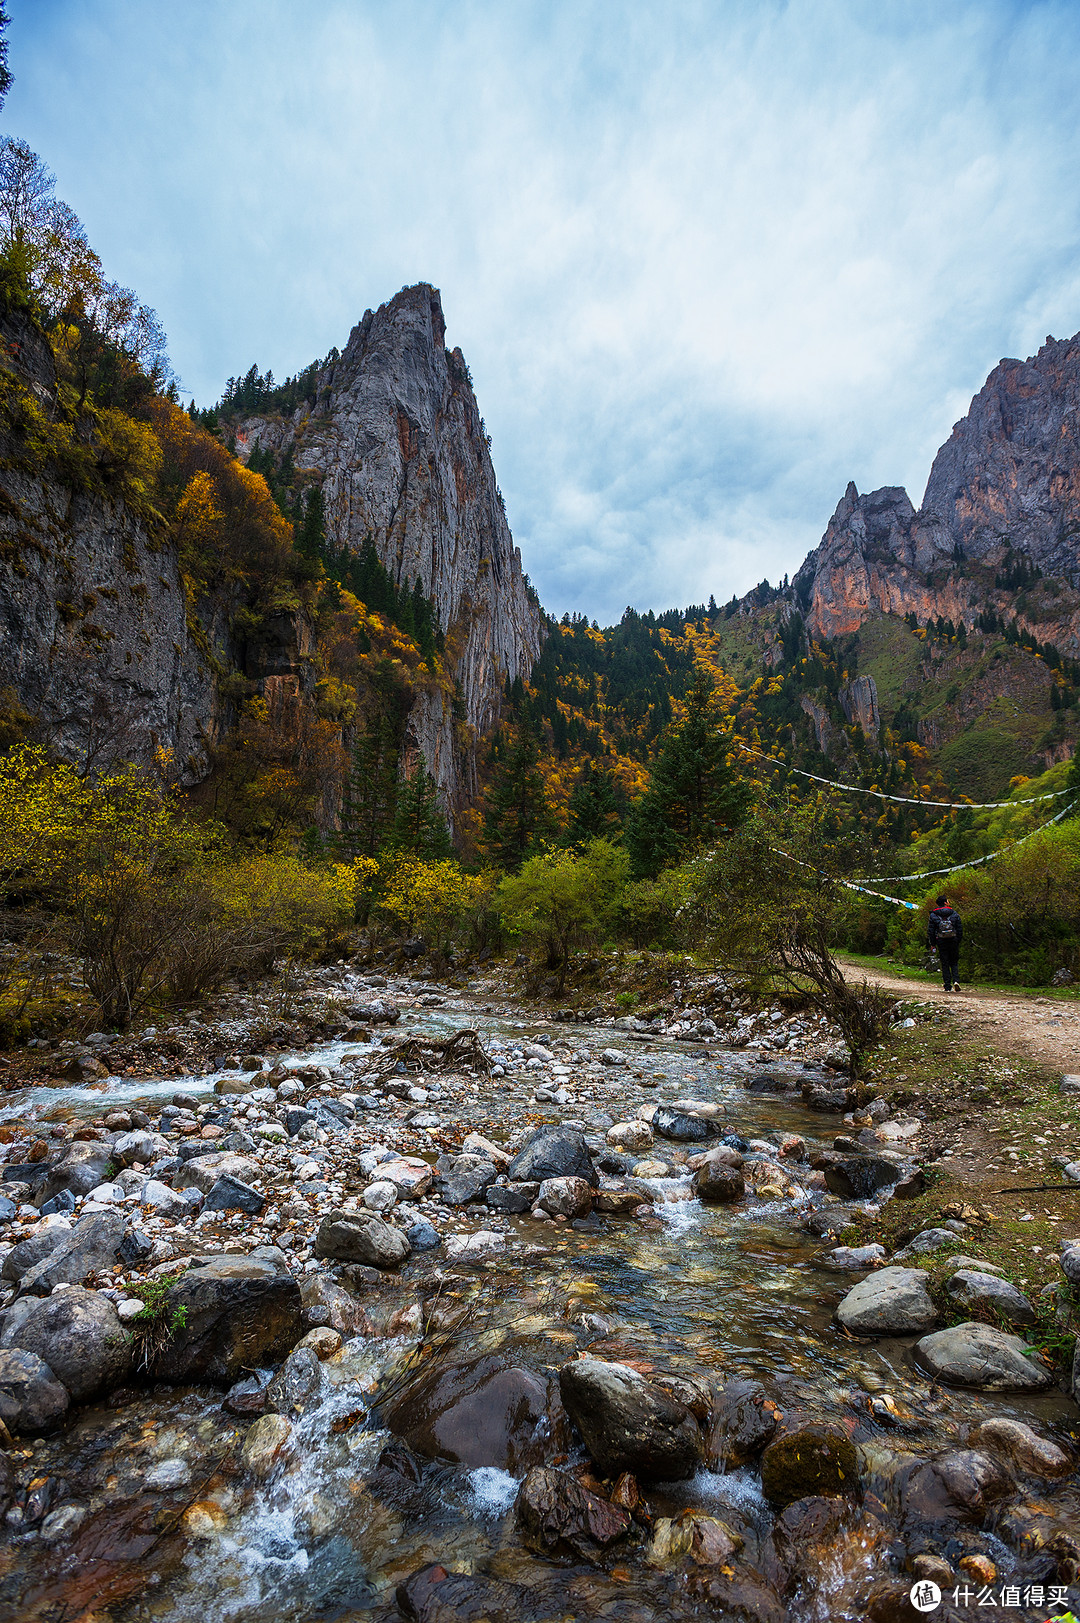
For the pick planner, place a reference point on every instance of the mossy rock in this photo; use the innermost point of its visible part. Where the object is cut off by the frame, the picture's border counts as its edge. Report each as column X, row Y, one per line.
column 809, row 1460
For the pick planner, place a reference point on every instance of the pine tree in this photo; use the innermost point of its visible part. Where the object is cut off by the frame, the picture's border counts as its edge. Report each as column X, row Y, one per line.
column 596, row 807
column 516, row 816
column 693, row 795
column 419, row 825
column 311, row 531
column 371, row 793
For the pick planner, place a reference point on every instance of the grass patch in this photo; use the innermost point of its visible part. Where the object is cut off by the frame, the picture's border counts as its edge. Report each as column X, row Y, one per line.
column 156, row 1325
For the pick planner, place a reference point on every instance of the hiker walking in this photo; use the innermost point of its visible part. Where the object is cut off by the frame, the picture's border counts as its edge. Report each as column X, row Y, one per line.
column 944, row 932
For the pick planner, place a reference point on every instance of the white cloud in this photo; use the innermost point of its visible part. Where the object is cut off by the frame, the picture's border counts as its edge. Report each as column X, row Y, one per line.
column 706, row 262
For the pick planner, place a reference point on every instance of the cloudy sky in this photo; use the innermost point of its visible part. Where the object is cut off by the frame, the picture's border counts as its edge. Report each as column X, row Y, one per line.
column 707, row 260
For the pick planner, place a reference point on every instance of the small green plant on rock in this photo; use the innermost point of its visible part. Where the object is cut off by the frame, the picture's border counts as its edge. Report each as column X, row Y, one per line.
column 156, row 1325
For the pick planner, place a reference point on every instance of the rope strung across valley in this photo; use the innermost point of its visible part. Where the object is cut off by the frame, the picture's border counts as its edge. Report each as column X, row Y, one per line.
column 927, row 873
column 905, row 800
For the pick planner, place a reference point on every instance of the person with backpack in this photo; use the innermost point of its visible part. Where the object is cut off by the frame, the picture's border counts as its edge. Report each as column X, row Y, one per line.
column 944, row 932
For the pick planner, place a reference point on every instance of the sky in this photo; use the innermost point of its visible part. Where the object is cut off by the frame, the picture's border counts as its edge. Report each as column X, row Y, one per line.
column 707, row 260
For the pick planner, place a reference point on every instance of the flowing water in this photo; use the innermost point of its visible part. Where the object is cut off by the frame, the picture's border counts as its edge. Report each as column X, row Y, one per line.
column 714, row 1292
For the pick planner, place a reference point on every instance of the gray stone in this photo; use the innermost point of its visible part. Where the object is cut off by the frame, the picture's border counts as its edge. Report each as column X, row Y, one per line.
column 299, row 1385
column 424, row 1236
column 859, row 1177
column 680, row 1126
column 81, row 1169
column 139, row 1145
column 228, row 1194
column 79, row 1335
column 361, row 1237
column 565, row 1197
column 629, row 1424
column 32, row 1400
column 297, row 1117
column 34, row 1249
column 1022, row 1447
column 240, row 1313
column 202, row 1172
column 893, row 1301
column 970, row 1290
column 928, row 1241
column 552, row 1152
column 512, row 1198
column 854, row 1257
column 979, row 1356
column 469, row 1178
column 1070, row 1260
column 158, row 1197
column 91, row 1246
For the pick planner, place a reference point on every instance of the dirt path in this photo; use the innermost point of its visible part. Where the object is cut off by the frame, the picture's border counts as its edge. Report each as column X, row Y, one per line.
column 1046, row 1029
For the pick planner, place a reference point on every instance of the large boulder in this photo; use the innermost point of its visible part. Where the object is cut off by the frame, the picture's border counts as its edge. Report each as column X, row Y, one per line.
column 557, row 1514
column 978, row 1355
column 972, row 1289
column 858, row 1177
column 680, row 1126
column 717, row 1183
column 238, row 1313
column 1012, row 1440
column 32, row 1400
column 90, row 1246
column 629, row 1424
column 44, row 1240
column 565, row 1197
column 467, row 1178
column 202, row 1172
column 960, row 1485
column 79, row 1335
column 743, row 1421
column 552, row 1152
column 81, row 1168
column 892, row 1302
column 807, row 1461
column 482, row 1413
column 361, row 1237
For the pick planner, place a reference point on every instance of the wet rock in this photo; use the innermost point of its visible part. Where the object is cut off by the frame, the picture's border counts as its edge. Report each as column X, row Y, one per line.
column 246, row 1398
column 81, row 1169
column 468, row 1179
column 91, row 1245
column 228, row 1194
column 717, row 1183
column 434, row 1595
column 692, row 1536
column 240, row 1313
column 893, row 1301
column 511, row 1198
column 744, row 1420
column 484, row 1412
column 959, row 1485
column 679, row 1126
column 361, row 1237
column 827, row 1100
column 557, row 1515
column 79, row 1335
column 552, row 1152
column 732, row 1593
column 858, row 1177
column 804, row 1534
column 323, row 1342
column 326, row 1302
column 467, row 1247
column 973, row 1290
column 32, row 1400
column 808, row 1461
column 1012, row 1440
column 628, row 1423
column 61, row 1524
column 978, row 1355
column 299, row 1385
column 424, row 1236
column 565, row 1197
column 265, row 1445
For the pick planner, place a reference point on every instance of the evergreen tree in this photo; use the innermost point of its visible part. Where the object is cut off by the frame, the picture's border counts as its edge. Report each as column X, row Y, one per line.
column 693, row 795
column 370, row 805
column 516, row 815
column 419, row 825
column 311, row 531
column 596, row 807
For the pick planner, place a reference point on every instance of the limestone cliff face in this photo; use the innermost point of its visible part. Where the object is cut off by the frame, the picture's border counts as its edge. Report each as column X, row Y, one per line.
column 398, row 444
column 94, row 633
column 1006, row 483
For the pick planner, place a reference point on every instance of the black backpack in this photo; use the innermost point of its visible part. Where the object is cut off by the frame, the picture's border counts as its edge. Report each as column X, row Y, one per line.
column 946, row 927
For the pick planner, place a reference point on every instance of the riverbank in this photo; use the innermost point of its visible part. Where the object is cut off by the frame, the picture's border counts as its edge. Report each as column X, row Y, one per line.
column 348, row 1285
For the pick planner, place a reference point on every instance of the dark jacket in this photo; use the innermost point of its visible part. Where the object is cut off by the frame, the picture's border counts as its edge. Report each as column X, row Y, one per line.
column 938, row 915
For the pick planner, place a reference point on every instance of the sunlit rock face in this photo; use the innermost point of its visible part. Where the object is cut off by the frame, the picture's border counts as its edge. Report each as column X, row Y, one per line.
column 1006, row 484
column 399, row 445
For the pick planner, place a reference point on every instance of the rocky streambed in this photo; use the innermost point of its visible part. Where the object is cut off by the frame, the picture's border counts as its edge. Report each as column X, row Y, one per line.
column 462, row 1314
